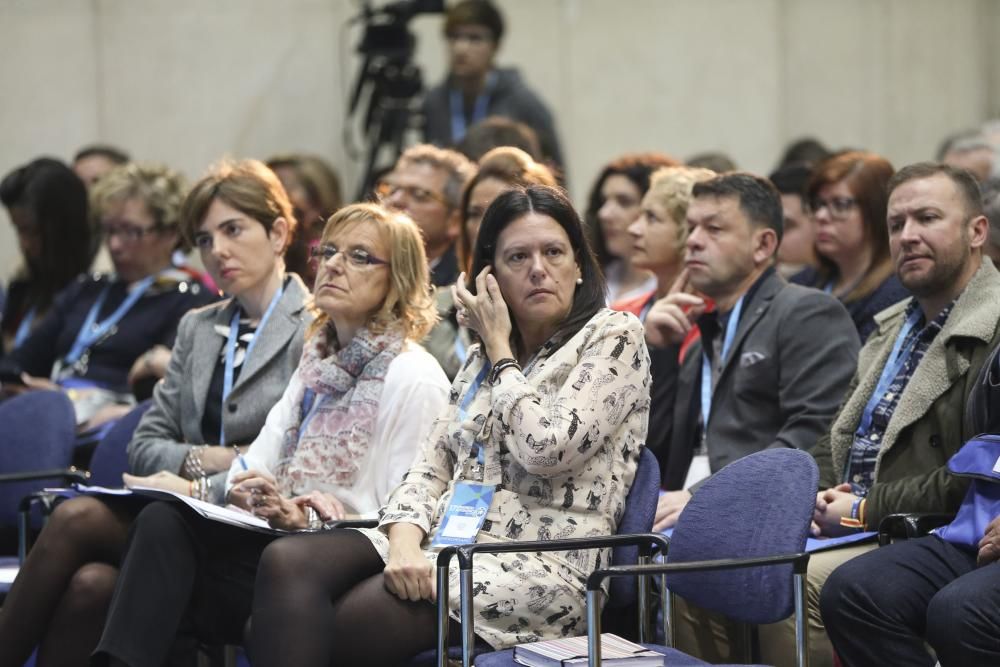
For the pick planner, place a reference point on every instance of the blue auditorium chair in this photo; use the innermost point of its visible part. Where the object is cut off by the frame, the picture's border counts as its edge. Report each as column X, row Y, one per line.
column 738, row 548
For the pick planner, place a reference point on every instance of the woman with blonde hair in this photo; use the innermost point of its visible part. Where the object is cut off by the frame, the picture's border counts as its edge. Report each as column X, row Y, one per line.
column 337, row 442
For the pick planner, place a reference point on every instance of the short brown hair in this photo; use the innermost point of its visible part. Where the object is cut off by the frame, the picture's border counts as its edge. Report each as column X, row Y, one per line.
column 410, row 303
column 475, row 12
column 248, row 186
column 162, row 190
column 459, row 169
column 966, row 184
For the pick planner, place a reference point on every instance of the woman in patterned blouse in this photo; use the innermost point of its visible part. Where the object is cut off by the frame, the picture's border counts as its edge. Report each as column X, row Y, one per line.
column 545, row 423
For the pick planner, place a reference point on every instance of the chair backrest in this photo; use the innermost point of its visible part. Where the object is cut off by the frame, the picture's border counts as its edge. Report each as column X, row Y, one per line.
column 637, row 517
column 37, row 432
column 110, row 457
column 760, row 505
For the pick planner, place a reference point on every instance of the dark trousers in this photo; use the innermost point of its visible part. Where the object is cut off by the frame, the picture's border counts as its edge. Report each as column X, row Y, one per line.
column 881, row 608
column 182, row 575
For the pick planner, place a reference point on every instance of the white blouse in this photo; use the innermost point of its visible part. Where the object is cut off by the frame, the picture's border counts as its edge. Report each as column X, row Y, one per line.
column 415, row 392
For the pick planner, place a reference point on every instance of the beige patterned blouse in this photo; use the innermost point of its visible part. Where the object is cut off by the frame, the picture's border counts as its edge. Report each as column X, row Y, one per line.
column 561, row 445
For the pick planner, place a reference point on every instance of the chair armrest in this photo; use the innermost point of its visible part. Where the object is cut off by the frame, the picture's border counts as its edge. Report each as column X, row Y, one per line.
column 909, row 526
column 799, row 561
column 645, row 541
column 69, row 475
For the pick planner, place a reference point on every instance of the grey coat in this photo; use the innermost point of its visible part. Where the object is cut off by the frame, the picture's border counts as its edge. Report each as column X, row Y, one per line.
column 173, row 424
column 791, row 361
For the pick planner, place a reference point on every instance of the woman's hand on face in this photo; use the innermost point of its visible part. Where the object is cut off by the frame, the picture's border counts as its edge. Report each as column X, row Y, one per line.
column 267, row 502
column 167, row 481
column 327, row 506
column 408, row 574
column 485, row 312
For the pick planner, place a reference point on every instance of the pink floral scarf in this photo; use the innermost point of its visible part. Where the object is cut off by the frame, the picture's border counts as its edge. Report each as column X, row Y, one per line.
column 348, row 386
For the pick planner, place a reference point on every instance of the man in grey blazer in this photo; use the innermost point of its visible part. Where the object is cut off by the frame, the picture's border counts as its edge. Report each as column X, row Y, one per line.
column 773, row 361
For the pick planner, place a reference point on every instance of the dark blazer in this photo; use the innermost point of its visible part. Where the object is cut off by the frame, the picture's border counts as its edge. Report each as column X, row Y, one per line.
column 791, row 362
column 173, row 424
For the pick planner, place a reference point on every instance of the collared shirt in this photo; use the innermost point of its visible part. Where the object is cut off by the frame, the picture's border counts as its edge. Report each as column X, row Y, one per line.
column 866, row 446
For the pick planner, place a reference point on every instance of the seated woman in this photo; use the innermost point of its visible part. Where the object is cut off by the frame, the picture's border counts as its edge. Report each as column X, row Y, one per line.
column 338, row 441
column 546, row 421
column 847, row 198
column 47, row 204
column 613, row 205
column 500, row 169
column 241, row 220
column 100, row 326
column 658, row 238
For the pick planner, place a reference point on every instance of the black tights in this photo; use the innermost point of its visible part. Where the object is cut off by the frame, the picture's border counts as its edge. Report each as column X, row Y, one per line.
column 319, row 599
column 60, row 597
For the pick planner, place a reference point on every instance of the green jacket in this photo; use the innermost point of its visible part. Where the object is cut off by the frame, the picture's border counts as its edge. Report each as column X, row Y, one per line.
column 928, row 425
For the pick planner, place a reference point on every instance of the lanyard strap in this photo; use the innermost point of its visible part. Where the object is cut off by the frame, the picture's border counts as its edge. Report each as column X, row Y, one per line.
column 706, row 364
column 92, row 330
column 463, row 407
column 234, row 331
column 894, row 363
column 461, row 353
column 479, row 110
column 308, row 410
column 24, row 328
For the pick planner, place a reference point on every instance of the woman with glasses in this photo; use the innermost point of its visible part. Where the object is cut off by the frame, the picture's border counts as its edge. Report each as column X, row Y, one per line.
column 229, row 366
column 334, row 446
column 103, row 327
column 540, row 441
column 47, row 205
column 847, row 199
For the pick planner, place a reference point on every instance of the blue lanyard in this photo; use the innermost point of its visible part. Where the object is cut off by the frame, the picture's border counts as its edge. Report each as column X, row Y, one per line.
column 463, row 407
column 309, row 407
column 894, row 363
column 24, row 328
column 479, row 110
column 828, row 288
column 645, row 309
column 92, row 330
column 460, row 352
column 234, row 332
column 706, row 365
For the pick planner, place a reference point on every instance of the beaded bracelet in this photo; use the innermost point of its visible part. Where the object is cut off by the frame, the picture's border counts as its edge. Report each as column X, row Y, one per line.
column 502, row 365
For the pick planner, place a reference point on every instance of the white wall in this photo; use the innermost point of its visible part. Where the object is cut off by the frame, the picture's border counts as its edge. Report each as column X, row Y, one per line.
column 187, row 81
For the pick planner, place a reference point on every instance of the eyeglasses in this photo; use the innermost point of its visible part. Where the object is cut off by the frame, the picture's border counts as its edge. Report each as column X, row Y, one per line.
column 128, row 233
column 357, row 258
column 837, row 207
column 385, row 190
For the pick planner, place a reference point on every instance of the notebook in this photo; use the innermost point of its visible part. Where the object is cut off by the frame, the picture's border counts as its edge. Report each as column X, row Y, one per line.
column 573, row 651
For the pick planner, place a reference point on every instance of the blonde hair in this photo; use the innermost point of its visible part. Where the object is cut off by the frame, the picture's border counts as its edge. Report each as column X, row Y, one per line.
column 409, row 304
column 248, row 186
column 670, row 187
column 162, row 190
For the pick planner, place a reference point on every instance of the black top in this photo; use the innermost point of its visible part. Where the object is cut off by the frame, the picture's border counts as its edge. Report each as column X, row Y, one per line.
column 151, row 321
column 211, row 420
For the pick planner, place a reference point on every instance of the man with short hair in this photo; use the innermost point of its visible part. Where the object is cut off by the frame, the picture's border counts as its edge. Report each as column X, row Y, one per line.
column 887, row 449
column 774, row 359
column 476, row 88
column 797, row 258
column 770, row 370
column 427, row 184
column 92, row 162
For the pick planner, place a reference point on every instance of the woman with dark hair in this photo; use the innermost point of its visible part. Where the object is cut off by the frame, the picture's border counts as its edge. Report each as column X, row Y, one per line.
column 847, row 198
column 544, row 428
column 337, row 442
column 47, row 205
column 314, row 189
column 615, row 203
column 240, row 219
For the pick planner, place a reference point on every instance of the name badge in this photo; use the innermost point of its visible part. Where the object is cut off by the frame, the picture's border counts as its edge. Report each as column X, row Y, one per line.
column 465, row 515
column 996, row 466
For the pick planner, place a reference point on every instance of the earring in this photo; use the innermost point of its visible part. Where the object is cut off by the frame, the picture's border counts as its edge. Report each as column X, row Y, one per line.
column 579, row 281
